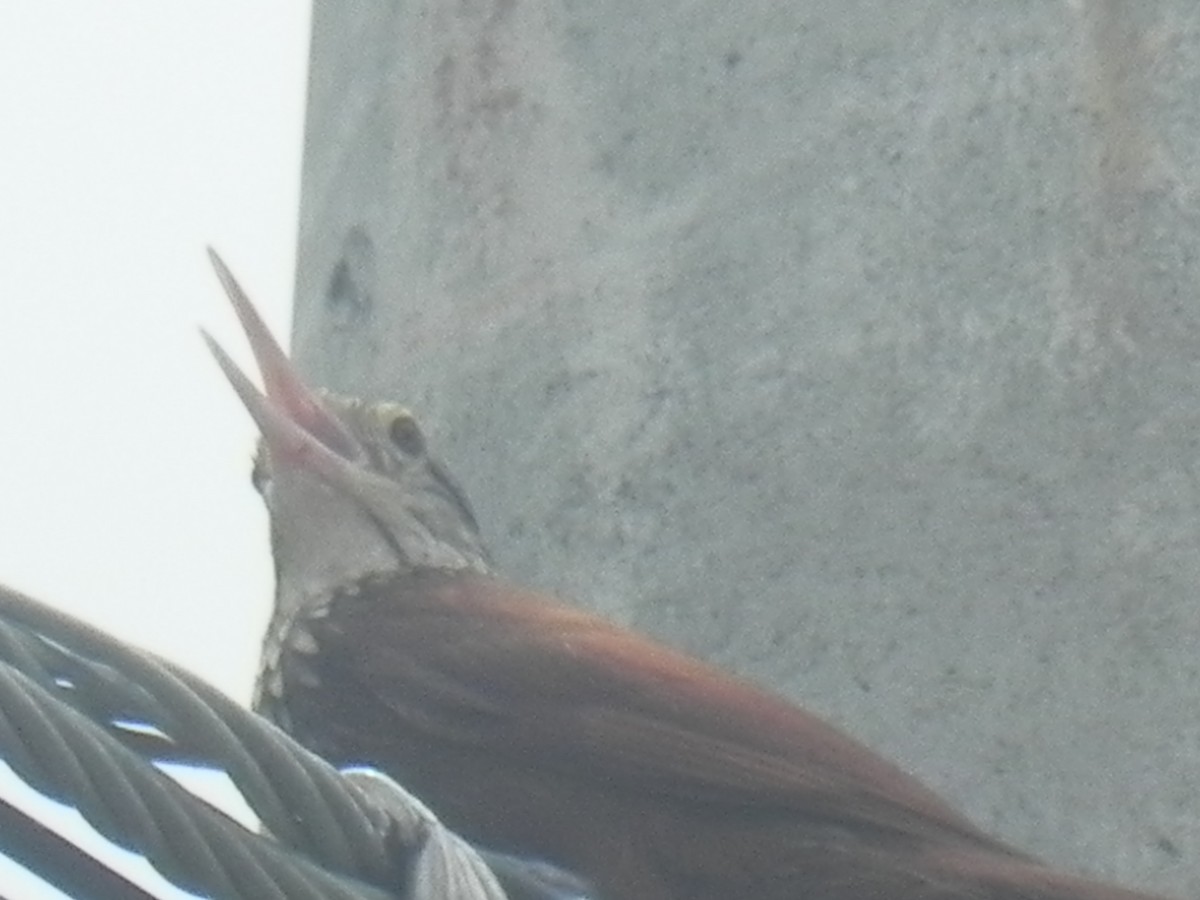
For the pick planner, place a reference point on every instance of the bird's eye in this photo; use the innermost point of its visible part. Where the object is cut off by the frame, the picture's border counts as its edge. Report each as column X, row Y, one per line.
column 405, row 433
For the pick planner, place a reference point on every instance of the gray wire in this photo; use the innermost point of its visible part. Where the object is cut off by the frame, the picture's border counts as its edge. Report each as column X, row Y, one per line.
column 302, row 800
column 61, row 753
column 57, row 675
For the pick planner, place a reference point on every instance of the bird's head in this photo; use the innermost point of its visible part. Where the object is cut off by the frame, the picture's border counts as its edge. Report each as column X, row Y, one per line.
column 350, row 486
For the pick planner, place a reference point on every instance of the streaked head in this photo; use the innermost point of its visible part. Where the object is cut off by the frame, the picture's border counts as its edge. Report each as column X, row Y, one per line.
column 350, row 486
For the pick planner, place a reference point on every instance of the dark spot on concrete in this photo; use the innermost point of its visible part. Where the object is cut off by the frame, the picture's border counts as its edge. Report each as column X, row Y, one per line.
column 732, row 59
column 351, row 289
column 1168, row 847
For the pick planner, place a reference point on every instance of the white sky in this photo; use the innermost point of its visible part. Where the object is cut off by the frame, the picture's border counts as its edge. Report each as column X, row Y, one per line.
column 135, row 132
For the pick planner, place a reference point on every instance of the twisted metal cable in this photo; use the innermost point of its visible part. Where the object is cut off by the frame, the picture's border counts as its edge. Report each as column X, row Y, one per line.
column 64, row 755
column 334, row 828
column 57, row 861
column 303, row 801
column 59, row 677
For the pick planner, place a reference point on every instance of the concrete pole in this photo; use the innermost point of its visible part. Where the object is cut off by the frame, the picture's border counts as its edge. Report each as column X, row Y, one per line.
column 853, row 346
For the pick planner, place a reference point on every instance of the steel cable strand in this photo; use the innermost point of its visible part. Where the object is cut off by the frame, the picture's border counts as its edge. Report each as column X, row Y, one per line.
column 61, row 753
column 303, row 801
column 58, row 862
column 391, row 827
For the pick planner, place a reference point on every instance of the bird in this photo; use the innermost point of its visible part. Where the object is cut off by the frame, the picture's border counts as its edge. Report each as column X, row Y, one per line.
column 537, row 729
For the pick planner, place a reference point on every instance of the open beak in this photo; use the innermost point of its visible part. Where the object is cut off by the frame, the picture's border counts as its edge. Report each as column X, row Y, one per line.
column 297, row 428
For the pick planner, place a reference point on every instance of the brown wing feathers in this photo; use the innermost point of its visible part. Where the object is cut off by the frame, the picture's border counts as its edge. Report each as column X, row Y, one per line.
column 574, row 709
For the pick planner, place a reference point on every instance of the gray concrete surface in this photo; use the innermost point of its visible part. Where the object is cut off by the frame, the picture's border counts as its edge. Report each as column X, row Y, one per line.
column 854, row 346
